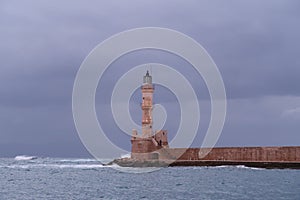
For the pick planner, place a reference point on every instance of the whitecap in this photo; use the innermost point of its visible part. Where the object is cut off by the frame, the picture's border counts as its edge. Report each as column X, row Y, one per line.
column 245, row 167
column 221, row 166
column 128, row 155
column 24, row 157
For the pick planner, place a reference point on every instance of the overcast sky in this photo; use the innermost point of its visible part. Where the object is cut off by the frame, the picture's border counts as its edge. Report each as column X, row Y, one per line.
column 255, row 44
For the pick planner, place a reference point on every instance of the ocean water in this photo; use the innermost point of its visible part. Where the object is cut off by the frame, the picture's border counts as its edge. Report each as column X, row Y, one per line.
column 61, row 178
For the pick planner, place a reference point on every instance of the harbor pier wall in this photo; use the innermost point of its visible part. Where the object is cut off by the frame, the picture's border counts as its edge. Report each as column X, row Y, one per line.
column 270, row 154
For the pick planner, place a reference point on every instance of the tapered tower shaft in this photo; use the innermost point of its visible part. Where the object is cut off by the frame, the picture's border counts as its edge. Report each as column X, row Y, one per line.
column 147, row 105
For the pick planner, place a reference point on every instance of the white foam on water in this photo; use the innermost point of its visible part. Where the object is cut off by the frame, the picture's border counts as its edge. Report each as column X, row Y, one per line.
column 134, row 170
column 81, row 166
column 25, row 157
column 128, row 155
column 236, row 166
column 17, row 166
column 59, row 166
column 85, row 160
column 221, row 166
column 245, row 167
column 79, row 160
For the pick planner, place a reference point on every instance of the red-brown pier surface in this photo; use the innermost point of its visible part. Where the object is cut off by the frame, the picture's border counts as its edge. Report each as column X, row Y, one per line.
column 260, row 154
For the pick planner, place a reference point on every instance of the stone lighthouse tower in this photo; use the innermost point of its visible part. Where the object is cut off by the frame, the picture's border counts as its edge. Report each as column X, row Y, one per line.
column 145, row 146
column 147, row 105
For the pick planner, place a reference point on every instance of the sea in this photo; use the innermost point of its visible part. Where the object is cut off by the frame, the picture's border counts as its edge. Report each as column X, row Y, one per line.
column 29, row 177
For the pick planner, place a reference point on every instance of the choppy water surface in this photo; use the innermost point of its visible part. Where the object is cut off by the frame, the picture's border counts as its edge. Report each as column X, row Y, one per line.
column 57, row 178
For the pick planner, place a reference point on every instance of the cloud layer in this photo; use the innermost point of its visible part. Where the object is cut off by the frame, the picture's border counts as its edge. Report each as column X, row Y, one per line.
column 255, row 44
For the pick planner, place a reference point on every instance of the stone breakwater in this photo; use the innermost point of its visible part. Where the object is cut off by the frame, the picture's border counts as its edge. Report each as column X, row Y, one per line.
column 261, row 157
column 127, row 162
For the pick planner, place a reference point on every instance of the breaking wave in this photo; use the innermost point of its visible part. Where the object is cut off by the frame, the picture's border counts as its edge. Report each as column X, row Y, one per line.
column 52, row 163
column 245, row 167
column 236, row 166
column 24, row 157
column 62, row 166
column 128, row 155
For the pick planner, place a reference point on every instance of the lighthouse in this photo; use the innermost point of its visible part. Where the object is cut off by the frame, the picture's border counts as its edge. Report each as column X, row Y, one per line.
column 147, row 105
column 146, row 144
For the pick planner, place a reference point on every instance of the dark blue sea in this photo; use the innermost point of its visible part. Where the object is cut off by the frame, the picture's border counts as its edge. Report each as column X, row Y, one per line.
column 61, row 178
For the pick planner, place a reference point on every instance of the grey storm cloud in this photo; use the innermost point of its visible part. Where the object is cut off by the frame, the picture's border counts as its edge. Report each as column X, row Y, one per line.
column 255, row 44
